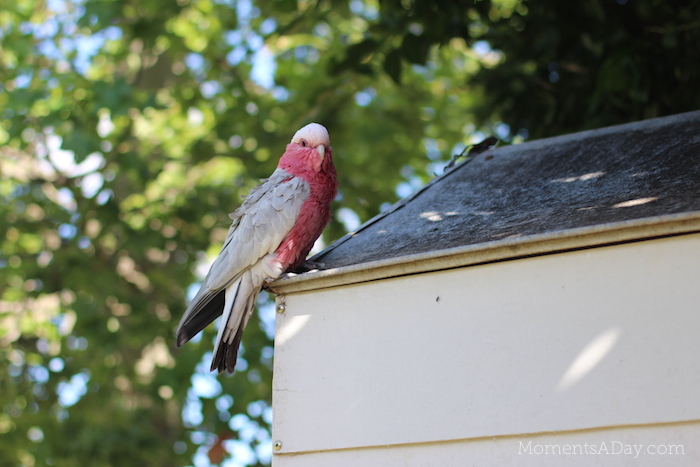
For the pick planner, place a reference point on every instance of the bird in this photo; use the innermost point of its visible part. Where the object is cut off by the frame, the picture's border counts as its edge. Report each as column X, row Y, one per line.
column 272, row 232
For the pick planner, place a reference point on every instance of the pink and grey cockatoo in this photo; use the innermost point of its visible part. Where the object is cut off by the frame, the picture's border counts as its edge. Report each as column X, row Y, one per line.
column 272, row 232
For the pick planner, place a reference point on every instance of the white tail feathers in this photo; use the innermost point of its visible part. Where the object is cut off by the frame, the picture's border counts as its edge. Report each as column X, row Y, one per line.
column 240, row 298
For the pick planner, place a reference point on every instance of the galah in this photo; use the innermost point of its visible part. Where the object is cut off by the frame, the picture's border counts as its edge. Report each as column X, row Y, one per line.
column 272, row 232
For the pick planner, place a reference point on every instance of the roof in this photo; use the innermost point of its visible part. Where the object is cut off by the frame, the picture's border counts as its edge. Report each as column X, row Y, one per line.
column 591, row 181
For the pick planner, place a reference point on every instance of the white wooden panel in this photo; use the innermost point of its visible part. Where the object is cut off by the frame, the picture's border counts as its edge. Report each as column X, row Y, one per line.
column 599, row 337
column 650, row 446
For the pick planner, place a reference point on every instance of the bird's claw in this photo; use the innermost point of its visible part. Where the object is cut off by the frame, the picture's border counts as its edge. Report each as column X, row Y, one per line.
column 307, row 266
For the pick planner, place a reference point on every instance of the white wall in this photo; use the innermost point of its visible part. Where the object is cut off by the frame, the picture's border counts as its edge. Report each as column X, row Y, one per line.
column 603, row 337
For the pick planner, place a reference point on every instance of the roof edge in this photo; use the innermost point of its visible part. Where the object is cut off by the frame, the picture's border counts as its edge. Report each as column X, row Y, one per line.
column 490, row 252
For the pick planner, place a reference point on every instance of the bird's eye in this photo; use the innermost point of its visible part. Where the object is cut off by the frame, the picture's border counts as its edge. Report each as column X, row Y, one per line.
column 303, row 142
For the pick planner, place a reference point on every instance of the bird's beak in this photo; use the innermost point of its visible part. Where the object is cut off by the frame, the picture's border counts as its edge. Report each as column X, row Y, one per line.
column 321, row 150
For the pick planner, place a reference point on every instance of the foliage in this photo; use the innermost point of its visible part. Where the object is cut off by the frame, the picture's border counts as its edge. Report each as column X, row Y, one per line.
column 129, row 130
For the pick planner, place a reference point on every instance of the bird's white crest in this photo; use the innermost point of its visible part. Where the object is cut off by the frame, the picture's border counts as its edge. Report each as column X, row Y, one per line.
column 314, row 134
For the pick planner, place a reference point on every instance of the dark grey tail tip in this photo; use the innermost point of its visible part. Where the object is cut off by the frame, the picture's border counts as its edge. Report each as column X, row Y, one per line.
column 221, row 368
column 222, row 364
column 182, row 339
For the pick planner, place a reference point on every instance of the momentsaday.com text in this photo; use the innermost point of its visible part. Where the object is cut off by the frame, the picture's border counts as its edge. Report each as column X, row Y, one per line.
column 602, row 448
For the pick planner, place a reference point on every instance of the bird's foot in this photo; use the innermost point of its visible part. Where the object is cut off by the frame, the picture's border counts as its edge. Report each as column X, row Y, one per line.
column 307, row 266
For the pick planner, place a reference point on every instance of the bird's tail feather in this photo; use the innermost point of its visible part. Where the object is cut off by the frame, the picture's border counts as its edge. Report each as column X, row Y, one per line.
column 226, row 354
column 230, row 297
column 241, row 296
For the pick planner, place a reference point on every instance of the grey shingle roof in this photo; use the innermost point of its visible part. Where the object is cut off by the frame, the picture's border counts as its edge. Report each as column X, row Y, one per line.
column 633, row 171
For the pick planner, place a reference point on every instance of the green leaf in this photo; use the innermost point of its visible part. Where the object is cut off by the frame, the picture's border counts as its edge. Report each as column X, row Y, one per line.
column 393, row 66
column 355, row 56
column 415, row 48
column 81, row 142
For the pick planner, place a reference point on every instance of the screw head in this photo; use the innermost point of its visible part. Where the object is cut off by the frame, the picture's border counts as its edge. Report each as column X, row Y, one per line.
column 277, row 445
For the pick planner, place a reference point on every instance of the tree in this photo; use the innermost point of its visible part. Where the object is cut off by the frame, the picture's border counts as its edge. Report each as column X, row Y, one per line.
column 130, row 130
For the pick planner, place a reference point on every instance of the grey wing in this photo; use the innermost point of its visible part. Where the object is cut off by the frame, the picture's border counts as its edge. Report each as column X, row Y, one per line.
column 258, row 228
